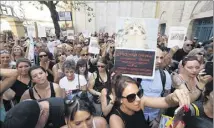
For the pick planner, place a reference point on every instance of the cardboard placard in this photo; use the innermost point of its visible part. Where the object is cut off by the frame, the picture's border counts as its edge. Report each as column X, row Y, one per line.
column 135, row 46
column 41, row 31
column 94, row 47
column 31, row 32
column 135, row 63
column 176, row 36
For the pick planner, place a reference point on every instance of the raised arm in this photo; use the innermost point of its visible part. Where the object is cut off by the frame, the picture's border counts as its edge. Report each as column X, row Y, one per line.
column 10, row 76
column 178, row 97
column 59, row 91
column 106, row 108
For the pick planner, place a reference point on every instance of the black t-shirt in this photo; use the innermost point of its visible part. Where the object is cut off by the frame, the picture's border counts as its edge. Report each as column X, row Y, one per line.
column 137, row 120
column 179, row 55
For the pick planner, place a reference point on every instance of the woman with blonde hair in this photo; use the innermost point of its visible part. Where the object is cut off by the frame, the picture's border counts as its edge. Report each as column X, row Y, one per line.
column 17, row 52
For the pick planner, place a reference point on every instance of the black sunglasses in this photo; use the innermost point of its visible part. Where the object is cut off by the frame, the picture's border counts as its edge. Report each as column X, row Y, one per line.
column 42, row 56
column 84, row 55
column 190, row 45
column 132, row 97
column 61, row 54
column 111, row 47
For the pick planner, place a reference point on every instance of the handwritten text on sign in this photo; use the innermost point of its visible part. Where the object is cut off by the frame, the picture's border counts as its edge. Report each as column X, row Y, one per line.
column 134, row 62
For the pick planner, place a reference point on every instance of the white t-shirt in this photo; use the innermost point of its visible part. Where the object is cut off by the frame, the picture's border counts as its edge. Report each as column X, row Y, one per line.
column 69, row 85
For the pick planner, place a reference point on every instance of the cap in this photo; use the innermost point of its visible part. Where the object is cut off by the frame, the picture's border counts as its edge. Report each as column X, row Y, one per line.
column 23, row 115
column 56, row 112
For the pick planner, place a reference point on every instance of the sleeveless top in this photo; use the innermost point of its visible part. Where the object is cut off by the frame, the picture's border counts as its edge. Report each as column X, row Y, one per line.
column 53, row 94
column 19, row 88
column 98, row 86
column 137, row 120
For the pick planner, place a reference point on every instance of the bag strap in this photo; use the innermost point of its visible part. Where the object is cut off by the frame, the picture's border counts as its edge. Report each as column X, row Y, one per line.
column 194, row 109
column 163, row 80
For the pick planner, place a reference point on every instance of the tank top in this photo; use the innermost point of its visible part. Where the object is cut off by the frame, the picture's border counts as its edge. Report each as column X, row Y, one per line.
column 137, row 120
column 98, row 86
column 53, row 94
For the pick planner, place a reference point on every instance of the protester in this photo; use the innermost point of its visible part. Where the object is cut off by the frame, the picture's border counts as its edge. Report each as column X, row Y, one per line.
column 46, row 63
column 57, row 68
column 153, row 88
column 16, row 53
column 97, row 81
column 132, row 102
column 48, row 113
column 73, row 83
column 78, row 113
column 43, row 88
column 181, row 53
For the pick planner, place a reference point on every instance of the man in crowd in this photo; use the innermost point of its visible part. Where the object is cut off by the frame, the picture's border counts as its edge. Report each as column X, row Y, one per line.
column 159, row 86
column 181, row 53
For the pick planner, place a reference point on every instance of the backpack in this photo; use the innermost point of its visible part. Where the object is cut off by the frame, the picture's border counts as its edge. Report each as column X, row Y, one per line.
column 163, row 80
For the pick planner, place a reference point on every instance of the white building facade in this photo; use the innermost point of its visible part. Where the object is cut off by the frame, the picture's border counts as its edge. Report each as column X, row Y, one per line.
column 196, row 16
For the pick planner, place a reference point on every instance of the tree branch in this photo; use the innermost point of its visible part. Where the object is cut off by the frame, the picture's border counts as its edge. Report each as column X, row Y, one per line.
column 44, row 2
column 56, row 3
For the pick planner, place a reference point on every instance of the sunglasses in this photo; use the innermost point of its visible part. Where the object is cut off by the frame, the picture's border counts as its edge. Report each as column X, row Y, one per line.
column 84, row 55
column 61, row 54
column 100, row 66
column 4, row 51
column 43, row 56
column 111, row 47
column 132, row 97
column 189, row 45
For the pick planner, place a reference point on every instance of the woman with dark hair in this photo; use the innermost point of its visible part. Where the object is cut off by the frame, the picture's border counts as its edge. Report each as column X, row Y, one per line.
column 42, row 88
column 73, row 83
column 46, row 63
column 23, row 81
column 78, row 114
column 188, row 77
column 99, row 80
column 57, row 68
column 131, row 102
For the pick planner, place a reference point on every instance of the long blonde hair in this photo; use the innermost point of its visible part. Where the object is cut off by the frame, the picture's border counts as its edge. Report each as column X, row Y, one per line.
column 12, row 52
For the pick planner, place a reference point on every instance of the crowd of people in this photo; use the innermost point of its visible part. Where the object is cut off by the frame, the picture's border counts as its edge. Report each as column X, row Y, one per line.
column 67, row 87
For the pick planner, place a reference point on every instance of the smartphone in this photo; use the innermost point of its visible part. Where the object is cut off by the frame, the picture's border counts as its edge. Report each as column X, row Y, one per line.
column 209, row 68
column 179, row 113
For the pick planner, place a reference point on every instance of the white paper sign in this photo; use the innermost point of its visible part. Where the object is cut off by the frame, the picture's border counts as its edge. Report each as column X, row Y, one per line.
column 70, row 34
column 41, row 31
column 85, row 33
column 176, row 36
column 31, row 31
column 64, row 16
column 31, row 51
column 94, row 47
column 135, row 46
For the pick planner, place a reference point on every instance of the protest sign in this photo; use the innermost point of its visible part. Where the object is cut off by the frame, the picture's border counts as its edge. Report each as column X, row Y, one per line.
column 135, row 46
column 41, row 31
column 64, row 16
column 31, row 32
column 176, row 36
column 85, row 34
column 94, row 47
column 70, row 34
column 30, row 55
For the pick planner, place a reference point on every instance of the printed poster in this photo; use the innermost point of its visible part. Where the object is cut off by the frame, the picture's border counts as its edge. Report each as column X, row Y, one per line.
column 41, row 31
column 70, row 34
column 94, row 47
column 136, row 42
column 176, row 36
column 31, row 31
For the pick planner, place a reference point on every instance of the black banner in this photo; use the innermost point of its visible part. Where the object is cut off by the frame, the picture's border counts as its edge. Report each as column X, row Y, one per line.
column 134, row 62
